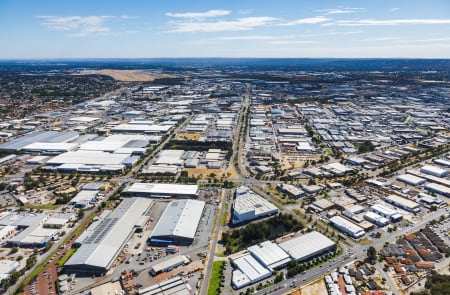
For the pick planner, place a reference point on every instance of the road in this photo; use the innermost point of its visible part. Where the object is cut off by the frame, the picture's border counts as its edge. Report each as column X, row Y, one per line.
column 213, row 244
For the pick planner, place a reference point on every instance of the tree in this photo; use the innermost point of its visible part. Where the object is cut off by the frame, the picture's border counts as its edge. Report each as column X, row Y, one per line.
column 372, row 253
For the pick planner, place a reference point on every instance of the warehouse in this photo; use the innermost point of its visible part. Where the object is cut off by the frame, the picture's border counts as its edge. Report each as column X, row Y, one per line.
column 433, row 170
column 169, row 264
column 172, row 286
column 249, row 271
column 49, row 147
column 178, row 223
column 141, row 128
column 442, row 162
column 161, row 190
column 101, row 248
column 435, row 179
column 7, row 267
column 249, row 206
column 33, row 237
column 308, row 246
column 376, row 219
column 291, row 190
column 347, row 227
column 84, row 199
column 430, row 200
column 411, row 179
column 389, row 213
column 437, row 188
column 403, row 203
column 18, row 144
column 269, row 254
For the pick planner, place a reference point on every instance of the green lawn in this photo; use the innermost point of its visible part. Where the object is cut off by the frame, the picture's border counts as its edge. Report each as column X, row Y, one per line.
column 225, row 215
column 49, row 206
column 214, row 282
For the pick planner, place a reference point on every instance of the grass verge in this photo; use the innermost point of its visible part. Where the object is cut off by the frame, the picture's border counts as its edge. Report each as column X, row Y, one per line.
column 215, row 280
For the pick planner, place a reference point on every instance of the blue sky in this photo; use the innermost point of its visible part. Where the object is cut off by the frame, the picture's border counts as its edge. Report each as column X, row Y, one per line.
column 228, row 28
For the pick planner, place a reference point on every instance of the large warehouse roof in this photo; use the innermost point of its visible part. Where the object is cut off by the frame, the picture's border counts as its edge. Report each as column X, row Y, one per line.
column 38, row 136
column 88, row 158
column 178, row 221
column 250, row 271
column 269, row 254
column 101, row 248
column 162, row 189
column 307, row 245
column 248, row 205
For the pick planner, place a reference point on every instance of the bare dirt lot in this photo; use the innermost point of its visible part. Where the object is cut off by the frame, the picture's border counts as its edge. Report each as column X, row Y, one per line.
column 128, row 75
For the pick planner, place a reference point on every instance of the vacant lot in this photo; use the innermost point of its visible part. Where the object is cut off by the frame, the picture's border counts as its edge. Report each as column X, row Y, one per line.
column 128, row 75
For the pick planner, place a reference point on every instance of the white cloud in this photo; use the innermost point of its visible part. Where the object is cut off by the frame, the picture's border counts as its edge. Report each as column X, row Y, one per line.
column 342, row 10
column 83, row 26
column 393, row 9
column 291, row 42
column 245, row 11
column 241, row 24
column 390, row 22
column 125, row 16
column 254, row 37
column 344, row 32
column 199, row 15
column 306, row 21
column 80, row 25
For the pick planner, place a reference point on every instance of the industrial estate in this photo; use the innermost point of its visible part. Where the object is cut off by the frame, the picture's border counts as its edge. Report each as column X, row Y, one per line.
column 240, row 179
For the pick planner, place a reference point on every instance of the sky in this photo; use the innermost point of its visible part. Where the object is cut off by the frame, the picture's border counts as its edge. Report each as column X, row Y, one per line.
column 31, row 29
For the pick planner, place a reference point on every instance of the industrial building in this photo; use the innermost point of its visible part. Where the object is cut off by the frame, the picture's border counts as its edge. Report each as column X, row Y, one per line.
column 7, row 267
column 308, row 246
column 376, row 219
column 403, row 203
column 411, row 179
column 389, row 213
column 437, row 188
column 161, row 190
column 172, row 286
column 50, row 137
column 269, row 254
column 101, row 248
column 347, row 227
column 249, row 206
column 169, row 264
column 178, row 223
column 249, row 271
column 291, row 190
column 433, row 170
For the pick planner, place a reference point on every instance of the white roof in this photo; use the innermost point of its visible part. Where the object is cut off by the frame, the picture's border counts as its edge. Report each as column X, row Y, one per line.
column 409, row 178
column 402, row 201
column 269, row 254
column 349, row 226
column 428, row 169
column 142, row 128
column 50, row 146
column 84, row 195
column 180, row 219
column 307, row 245
column 251, row 202
column 251, row 268
column 88, row 158
column 163, row 188
column 84, row 119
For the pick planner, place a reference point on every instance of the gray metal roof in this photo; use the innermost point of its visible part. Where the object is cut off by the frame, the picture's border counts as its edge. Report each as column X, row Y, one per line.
column 38, row 136
column 108, row 238
column 180, row 219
